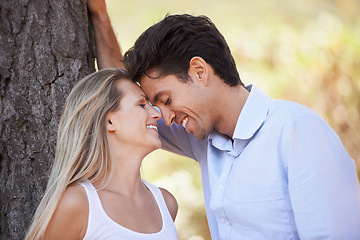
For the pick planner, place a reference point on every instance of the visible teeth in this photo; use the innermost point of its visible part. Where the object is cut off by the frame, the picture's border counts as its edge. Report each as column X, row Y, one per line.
column 152, row 126
column 184, row 122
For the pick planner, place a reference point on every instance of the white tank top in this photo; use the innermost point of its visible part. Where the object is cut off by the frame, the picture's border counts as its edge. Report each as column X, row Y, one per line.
column 101, row 226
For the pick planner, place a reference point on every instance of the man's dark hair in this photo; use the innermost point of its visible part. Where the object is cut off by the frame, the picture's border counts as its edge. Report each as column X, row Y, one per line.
column 169, row 45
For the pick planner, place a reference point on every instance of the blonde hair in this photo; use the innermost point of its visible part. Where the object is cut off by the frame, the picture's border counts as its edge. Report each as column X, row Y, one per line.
column 82, row 150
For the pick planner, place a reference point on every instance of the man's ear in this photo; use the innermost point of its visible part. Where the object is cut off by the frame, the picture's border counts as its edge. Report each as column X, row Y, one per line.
column 198, row 70
column 109, row 124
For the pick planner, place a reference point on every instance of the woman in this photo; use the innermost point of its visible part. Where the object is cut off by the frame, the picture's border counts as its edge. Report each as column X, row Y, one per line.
column 95, row 190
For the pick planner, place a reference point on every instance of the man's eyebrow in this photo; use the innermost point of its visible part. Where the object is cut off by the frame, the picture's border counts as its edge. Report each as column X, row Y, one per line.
column 157, row 96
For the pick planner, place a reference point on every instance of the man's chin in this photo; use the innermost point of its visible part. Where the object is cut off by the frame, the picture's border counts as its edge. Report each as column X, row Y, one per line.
column 200, row 136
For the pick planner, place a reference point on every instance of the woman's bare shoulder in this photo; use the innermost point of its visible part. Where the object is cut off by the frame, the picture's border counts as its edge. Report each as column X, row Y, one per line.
column 69, row 220
column 171, row 202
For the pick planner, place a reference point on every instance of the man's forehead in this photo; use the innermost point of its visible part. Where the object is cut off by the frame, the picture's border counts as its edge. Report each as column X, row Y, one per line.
column 155, row 86
column 152, row 78
column 149, row 77
column 149, row 86
column 153, row 73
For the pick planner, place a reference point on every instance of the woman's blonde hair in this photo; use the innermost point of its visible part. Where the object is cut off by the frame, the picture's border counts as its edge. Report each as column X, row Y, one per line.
column 82, row 150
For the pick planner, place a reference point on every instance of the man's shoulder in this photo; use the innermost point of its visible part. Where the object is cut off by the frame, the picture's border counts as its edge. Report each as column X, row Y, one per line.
column 287, row 110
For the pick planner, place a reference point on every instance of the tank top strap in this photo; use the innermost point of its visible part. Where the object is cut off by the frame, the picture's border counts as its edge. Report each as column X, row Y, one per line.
column 93, row 197
column 95, row 207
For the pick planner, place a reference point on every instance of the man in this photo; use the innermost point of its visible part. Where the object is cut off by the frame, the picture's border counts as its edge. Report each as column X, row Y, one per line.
column 271, row 169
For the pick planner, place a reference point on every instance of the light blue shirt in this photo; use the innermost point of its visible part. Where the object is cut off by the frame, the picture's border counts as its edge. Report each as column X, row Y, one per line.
column 284, row 175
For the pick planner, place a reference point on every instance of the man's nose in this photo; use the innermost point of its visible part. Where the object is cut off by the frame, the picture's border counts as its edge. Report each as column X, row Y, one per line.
column 168, row 116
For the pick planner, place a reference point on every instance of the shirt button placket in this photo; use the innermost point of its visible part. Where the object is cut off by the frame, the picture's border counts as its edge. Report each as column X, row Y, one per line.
column 223, row 223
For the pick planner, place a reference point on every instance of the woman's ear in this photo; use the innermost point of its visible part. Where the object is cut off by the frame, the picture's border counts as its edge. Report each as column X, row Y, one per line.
column 109, row 124
column 198, row 69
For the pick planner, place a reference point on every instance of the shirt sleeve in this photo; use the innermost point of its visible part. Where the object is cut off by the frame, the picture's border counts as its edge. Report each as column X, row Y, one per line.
column 323, row 184
column 175, row 139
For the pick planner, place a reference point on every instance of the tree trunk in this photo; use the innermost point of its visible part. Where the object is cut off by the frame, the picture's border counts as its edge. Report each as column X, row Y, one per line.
column 44, row 50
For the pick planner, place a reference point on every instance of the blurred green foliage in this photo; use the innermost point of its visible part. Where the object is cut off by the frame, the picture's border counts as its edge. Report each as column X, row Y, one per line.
column 306, row 51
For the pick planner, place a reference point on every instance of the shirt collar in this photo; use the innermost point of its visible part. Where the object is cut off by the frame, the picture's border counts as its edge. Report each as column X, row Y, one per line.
column 253, row 114
column 220, row 141
column 250, row 120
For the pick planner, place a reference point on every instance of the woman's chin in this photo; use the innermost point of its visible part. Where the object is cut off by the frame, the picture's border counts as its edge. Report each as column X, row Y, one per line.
column 157, row 145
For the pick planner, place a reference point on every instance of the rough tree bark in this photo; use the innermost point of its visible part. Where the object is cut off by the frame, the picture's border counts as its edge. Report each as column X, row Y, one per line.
column 44, row 50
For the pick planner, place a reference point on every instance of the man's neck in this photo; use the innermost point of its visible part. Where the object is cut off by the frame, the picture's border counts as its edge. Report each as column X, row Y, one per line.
column 229, row 107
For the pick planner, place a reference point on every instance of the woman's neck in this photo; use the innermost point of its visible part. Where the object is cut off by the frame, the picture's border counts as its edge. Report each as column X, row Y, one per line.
column 125, row 176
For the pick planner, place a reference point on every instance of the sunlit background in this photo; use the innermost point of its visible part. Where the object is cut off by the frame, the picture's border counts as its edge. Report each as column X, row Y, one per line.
column 307, row 51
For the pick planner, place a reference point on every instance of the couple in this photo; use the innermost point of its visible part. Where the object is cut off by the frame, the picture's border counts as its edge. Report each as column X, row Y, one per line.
column 271, row 169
